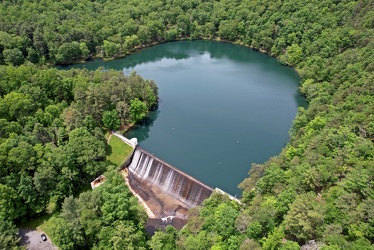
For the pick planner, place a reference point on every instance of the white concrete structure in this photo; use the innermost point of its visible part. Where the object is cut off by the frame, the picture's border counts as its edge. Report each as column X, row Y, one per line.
column 230, row 196
column 132, row 142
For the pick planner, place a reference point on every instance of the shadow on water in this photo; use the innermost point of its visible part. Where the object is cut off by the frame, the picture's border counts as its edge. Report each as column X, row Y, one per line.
column 153, row 54
column 175, row 50
column 141, row 130
column 185, row 50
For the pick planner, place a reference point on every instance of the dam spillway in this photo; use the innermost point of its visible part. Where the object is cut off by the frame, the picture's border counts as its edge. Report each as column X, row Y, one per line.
column 165, row 192
column 147, row 168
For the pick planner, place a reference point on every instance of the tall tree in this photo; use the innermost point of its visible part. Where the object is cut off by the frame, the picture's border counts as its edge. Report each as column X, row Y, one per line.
column 304, row 221
column 11, row 207
column 8, row 236
column 138, row 110
column 13, row 57
column 110, row 119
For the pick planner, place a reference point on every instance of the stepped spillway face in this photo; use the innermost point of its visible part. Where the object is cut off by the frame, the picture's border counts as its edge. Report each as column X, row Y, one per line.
column 146, row 167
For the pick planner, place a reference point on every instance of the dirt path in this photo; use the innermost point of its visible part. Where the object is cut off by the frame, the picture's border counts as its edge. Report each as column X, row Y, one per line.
column 32, row 240
column 110, row 135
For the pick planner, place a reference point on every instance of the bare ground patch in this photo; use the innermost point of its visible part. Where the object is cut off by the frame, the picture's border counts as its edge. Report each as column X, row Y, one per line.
column 32, row 240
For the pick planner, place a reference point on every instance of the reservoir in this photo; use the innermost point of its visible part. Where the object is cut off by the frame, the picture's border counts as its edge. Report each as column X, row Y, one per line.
column 221, row 107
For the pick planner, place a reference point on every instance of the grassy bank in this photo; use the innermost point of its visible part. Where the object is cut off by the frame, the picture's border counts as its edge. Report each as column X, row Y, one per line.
column 117, row 150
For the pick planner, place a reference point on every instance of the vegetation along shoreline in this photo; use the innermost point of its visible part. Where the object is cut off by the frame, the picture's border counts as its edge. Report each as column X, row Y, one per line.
column 317, row 191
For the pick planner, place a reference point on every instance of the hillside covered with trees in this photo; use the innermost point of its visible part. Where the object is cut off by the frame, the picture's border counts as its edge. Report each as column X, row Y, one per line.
column 319, row 188
column 52, row 145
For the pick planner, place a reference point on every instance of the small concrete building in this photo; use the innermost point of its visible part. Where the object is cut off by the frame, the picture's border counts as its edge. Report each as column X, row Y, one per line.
column 98, row 181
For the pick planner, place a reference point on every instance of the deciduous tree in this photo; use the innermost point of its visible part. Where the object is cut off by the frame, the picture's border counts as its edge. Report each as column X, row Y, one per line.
column 111, row 120
column 138, row 110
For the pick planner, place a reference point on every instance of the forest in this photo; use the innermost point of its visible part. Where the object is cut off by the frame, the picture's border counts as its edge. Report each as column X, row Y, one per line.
column 319, row 188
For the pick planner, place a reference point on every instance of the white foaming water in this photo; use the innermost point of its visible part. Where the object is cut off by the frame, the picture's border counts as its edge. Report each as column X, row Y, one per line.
column 169, row 179
column 176, row 183
column 148, row 168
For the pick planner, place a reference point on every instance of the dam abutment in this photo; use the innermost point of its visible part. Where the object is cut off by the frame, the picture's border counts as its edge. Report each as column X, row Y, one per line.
column 164, row 190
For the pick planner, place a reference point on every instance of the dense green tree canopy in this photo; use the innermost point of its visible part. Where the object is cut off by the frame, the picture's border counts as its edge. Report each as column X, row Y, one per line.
column 95, row 221
column 137, row 110
column 52, row 145
column 8, row 237
column 111, row 120
column 320, row 187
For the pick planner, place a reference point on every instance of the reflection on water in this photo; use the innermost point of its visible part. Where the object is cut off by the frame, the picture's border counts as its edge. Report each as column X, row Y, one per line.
column 222, row 107
column 143, row 128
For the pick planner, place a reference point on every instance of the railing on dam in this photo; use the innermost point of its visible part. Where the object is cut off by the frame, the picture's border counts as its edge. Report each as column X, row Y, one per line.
column 131, row 142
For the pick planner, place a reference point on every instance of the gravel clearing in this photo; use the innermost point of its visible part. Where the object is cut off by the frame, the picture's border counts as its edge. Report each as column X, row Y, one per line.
column 32, row 240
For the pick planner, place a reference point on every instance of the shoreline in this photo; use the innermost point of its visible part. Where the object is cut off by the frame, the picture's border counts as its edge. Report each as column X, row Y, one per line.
column 155, row 43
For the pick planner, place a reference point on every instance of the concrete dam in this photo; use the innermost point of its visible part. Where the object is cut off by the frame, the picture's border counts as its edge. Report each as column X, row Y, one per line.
column 166, row 192
column 146, row 167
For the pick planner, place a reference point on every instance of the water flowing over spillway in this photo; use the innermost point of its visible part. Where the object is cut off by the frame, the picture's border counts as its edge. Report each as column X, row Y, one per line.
column 148, row 168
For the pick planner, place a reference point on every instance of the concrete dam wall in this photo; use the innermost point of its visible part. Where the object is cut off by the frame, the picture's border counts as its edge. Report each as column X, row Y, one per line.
column 148, row 168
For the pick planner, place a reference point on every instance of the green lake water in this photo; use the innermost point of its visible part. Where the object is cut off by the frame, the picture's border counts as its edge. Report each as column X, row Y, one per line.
column 222, row 107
